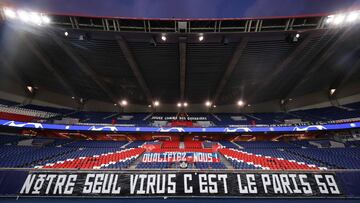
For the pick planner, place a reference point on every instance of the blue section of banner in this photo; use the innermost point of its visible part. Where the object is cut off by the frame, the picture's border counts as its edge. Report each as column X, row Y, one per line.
column 351, row 181
column 112, row 128
column 11, row 182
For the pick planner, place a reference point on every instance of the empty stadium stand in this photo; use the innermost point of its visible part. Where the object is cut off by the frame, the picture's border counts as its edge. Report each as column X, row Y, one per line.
column 41, row 152
column 16, row 111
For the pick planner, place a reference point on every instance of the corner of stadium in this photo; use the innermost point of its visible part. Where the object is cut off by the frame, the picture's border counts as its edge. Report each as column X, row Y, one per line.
column 147, row 107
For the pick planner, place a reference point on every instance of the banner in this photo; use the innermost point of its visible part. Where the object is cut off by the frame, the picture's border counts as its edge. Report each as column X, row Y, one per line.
column 167, row 157
column 181, row 184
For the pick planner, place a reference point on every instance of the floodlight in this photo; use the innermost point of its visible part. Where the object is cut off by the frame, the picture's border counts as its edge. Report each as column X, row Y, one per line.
column 240, row 103
column 9, row 13
column 35, row 18
column 208, row 103
column 163, row 37
column 45, row 19
column 156, row 103
column 330, row 19
column 124, row 102
column 351, row 17
column 23, row 15
column 339, row 19
column 332, row 91
column 201, row 38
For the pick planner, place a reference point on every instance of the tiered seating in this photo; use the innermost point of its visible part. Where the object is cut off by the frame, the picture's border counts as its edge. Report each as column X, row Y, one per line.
column 156, row 165
column 279, row 153
column 302, row 143
column 193, row 145
column 164, row 165
column 240, row 164
column 353, row 143
column 96, row 144
column 228, row 144
column 9, row 139
column 208, row 144
column 23, row 113
column 207, row 165
column 135, row 144
column 170, row 144
column 265, row 144
column 332, row 157
column 22, row 156
column 88, row 154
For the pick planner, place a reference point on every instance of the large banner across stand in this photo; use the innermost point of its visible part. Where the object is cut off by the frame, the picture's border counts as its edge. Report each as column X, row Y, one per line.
column 172, row 184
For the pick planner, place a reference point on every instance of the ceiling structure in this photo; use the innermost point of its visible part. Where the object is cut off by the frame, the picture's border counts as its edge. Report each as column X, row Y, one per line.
column 114, row 59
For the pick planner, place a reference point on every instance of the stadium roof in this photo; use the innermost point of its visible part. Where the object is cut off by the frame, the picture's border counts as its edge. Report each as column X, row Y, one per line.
column 256, row 60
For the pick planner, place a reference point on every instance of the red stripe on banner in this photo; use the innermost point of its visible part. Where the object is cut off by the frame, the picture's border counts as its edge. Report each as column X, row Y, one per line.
column 95, row 161
column 267, row 162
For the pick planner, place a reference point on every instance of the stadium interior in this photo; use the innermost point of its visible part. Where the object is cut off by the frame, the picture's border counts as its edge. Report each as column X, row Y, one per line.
column 82, row 94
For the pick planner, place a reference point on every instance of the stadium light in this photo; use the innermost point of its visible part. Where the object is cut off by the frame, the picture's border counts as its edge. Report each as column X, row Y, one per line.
column 149, row 106
column 124, row 102
column 208, row 103
column 31, row 89
column 343, row 18
column 339, row 19
column 115, row 104
column 35, row 18
column 45, row 19
column 9, row 13
column 240, row 103
column 297, row 35
column 353, row 16
column 185, row 104
column 72, row 97
column 201, row 37
column 163, row 37
column 27, row 16
column 156, row 103
column 66, row 34
column 330, row 19
column 179, row 104
column 332, row 91
column 23, row 15
column 214, row 106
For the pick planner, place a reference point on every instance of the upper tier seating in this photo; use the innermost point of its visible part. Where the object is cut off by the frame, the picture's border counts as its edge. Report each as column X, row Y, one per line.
column 96, row 144
column 170, row 144
column 35, row 112
column 193, row 144
column 264, row 144
column 25, row 112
